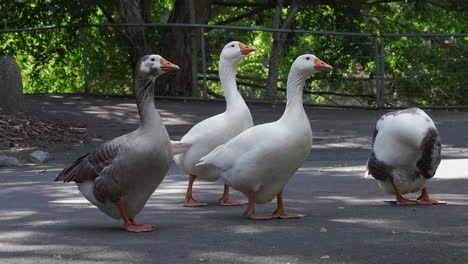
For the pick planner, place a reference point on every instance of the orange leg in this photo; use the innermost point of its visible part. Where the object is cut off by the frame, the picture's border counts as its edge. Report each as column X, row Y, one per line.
column 424, row 198
column 132, row 220
column 224, row 200
column 250, row 212
column 129, row 223
column 400, row 199
column 280, row 212
column 189, row 201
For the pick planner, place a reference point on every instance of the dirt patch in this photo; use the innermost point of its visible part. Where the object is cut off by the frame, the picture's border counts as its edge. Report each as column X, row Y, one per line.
column 25, row 130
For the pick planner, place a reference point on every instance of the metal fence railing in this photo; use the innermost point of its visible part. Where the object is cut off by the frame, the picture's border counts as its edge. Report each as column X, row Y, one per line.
column 370, row 70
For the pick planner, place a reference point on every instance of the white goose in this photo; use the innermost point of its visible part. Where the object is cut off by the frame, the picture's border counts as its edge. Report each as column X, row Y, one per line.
column 260, row 161
column 120, row 176
column 214, row 131
column 405, row 153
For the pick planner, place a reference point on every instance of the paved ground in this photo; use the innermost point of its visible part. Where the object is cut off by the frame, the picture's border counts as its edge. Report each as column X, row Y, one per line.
column 347, row 220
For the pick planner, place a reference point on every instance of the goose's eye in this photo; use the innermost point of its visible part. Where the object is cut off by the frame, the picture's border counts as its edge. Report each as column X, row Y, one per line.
column 307, row 58
column 232, row 45
column 152, row 59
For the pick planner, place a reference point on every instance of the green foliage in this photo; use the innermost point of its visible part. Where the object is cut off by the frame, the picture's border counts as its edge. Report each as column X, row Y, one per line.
column 50, row 61
column 418, row 70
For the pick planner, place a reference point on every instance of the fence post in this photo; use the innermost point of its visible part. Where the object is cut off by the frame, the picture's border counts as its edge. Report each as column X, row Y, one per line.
column 382, row 71
column 202, row 38
column 378, row 85
column 85, row 58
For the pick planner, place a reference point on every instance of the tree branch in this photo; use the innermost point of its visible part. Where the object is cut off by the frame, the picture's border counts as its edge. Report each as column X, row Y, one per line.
column 257, row 79
column 382, row 2
column 395, row 22
column 238, row 4
column 444, row 7
column 112, row 20
column 329, row 100
column 371, row 96
column 291, row 14
column 242, row 16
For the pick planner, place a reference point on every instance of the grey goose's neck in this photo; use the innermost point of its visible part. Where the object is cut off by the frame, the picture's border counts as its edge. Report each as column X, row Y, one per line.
column 144, row 93
column 294, row 89
column 227, row 76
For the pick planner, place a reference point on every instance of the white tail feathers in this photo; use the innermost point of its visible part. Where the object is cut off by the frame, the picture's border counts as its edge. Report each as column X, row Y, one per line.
column 179, row 147
column 367, row 175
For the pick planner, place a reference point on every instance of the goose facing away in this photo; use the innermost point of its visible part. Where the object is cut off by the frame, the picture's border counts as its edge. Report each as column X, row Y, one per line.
column 214, row 131
column 260, row 161
column 120, row 176
column 406, row 152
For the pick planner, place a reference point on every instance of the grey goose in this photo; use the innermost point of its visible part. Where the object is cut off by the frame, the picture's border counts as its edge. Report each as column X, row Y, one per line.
column 120, row 176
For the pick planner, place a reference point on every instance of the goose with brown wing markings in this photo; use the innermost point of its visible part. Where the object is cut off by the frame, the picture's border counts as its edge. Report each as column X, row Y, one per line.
column 120, row 176
column 406, row 152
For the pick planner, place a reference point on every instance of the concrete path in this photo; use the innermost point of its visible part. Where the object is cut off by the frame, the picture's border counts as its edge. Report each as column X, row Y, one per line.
column 347, row 220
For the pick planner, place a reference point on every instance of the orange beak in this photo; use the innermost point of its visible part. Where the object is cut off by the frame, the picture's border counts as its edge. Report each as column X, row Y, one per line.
column 319, row 65
column 167, row 65
column 244, row 49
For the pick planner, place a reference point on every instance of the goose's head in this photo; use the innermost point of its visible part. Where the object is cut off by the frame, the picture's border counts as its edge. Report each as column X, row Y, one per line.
column 234, row 51
column 309, row 64
column 152, row 66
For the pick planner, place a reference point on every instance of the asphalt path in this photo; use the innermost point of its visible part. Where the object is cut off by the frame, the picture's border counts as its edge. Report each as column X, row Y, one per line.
column 347, row 220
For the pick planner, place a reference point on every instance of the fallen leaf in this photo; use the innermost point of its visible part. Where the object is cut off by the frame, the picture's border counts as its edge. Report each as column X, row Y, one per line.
column 413, row 209
column 204, row 259
column 77, row 130
column 323, row 229
column 393, row 232
column 57, row 257
column 41, row 172
column 325, row 257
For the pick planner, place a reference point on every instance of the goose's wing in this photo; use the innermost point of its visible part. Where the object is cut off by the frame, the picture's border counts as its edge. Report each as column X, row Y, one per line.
column 257, row 143
column 222, row 157
column 89, row 166
column 431, row 153
column 97, row 166
column 376, row 168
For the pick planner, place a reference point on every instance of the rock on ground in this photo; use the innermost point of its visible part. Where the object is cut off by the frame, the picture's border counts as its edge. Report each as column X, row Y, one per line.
column 40, row 156
column 21, row 154
column 11, row 85
column 6, row 161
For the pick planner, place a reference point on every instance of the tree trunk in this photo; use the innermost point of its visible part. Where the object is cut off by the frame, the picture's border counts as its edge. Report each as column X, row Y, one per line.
column 132, row 12
column 182, row 45
column 278, row 42
column 275, row 54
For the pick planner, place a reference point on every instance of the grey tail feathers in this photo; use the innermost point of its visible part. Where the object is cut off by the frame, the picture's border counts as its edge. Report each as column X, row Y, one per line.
column 69, row 173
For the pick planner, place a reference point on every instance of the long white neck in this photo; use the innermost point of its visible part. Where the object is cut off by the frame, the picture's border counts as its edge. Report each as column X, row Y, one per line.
column 227, row 76
column 144, row 93
column 294, row 90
